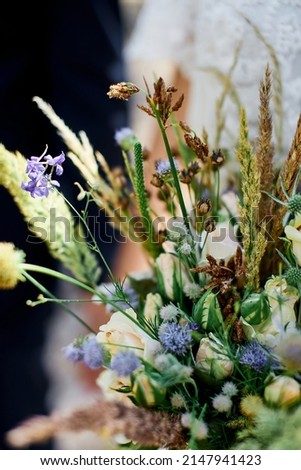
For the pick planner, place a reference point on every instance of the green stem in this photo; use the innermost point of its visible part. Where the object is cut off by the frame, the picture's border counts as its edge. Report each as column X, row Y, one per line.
column 58, row 275
column 63, row 277
column 217, row 194
column 91, row 235
column 173, row 169
column 55, row 299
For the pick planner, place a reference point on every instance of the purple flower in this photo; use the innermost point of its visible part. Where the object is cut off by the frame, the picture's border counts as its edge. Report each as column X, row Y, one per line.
column 40, row 182
column 124, row 363
column 92, row 353
column 255, row 356
column 74, row 352
column 35, row 168
column 37, row 187
column 56, row 162
column 175, row 338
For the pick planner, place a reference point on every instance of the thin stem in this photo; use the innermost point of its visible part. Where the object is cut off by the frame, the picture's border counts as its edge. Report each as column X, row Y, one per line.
column 91, row 235
column 55, row 299
column 173, row 169
column 51, row 272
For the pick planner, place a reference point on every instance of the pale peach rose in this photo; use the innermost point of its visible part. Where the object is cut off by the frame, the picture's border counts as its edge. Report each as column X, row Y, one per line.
column 109, row 383
column 121, row 332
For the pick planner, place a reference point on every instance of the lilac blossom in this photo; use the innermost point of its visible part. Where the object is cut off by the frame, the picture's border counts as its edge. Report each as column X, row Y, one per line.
column 74, row 352
column 40, row 182
column 124, row 363
column 93, row 355
column 56, row 162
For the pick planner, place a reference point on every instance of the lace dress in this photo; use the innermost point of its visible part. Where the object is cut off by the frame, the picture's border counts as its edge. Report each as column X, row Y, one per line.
column 206, row 39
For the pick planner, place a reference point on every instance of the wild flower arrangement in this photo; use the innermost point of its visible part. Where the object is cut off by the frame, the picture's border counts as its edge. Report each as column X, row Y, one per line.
column 202, row 351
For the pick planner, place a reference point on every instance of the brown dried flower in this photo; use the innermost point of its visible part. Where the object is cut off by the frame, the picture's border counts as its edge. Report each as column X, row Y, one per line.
column 122, row 90
column 161, row 100
column 203, row 207
column 146, row 427
column 210, row 225
column 217, row 159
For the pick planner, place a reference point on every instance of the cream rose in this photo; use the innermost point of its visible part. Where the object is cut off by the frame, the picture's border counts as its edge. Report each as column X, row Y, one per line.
column 121, row 332
column 282, row 391
column 221, row 243
column 293, row 233
column 212, row 360
column 282, row 319
column 153, row 303
column 109, row 383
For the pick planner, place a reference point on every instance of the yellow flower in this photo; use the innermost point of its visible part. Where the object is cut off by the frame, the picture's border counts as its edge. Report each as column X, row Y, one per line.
column 250, row 405
column 10, row 259
column 293, row 233
column 282, row 391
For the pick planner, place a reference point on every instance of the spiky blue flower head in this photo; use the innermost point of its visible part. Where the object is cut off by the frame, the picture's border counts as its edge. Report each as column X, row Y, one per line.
column 175, row 338
column 74, row 352
column 93, row 354
column 255, row 356
column 124, row 363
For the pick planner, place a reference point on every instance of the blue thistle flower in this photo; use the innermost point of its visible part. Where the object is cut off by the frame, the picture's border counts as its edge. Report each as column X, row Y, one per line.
column 175, row 338
column 92, row 353
column 255, row 356
column 124, row 363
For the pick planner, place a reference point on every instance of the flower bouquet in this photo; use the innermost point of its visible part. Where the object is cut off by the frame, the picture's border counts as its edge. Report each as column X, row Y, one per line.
column 203, row 349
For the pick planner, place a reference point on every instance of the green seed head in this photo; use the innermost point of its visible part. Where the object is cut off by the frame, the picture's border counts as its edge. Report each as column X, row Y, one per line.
column 293, row 276
column 294, row 204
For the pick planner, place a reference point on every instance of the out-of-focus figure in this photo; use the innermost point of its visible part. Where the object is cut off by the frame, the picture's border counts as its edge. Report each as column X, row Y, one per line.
column 221, row 49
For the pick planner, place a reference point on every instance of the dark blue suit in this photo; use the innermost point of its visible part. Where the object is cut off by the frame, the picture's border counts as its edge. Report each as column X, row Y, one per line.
column 68, row 52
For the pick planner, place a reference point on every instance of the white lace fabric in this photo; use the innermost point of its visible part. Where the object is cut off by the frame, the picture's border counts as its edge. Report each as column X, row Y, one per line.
column 202, row 35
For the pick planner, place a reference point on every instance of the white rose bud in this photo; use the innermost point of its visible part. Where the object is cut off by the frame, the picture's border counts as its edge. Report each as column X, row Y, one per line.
column 212, row 360
column 153, row 303
column 282, row 391
column 172, row 276
column 292, row 232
